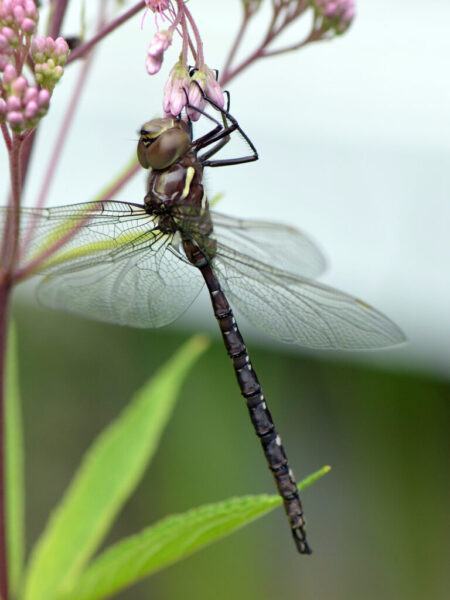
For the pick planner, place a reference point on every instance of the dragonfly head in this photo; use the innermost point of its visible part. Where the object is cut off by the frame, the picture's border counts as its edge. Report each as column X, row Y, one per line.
column 162, row 142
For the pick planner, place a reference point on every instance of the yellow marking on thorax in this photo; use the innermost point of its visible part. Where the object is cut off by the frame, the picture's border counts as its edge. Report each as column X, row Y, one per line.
column 190, row 172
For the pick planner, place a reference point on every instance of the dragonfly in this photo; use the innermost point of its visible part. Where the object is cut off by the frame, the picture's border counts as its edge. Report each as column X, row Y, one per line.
column 144, row 264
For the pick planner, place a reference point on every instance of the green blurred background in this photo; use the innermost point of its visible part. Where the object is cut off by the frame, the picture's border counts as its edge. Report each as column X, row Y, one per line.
column 379, row 522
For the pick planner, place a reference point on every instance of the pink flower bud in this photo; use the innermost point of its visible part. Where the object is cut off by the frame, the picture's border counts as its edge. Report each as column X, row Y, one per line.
column 205, row 79
column 31, row 110
column 337, row 14
column 62, row 47
column 19, row 13
column 13, row 103
column 195, row 98
column 153, row 64
column 15, row 119
column 28, row 26
column 8, row 33
column 30, row 94
column 160, row 42
column 176, row 90
column 9, row 74
column 3, row 108
column 43, row 98
column 49, row 56
column 19, row 86
column 213, row 89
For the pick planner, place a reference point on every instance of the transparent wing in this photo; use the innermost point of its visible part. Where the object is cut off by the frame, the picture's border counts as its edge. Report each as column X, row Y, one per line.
column 81, row 235
column 298, row 310
column 148, row 288
column 274, row 244
column 109, row 261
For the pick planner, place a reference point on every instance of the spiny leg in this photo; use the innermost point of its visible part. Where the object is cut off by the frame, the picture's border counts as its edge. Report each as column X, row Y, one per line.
column 219, row 134
column 233, row 127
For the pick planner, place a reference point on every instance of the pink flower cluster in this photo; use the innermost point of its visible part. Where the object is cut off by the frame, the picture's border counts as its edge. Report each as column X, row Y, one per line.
column 338, row 13
column 182, row 90
column 185, row 87
column 49, row 57
column 24, row 104
column 21, row 16
column 18, row 20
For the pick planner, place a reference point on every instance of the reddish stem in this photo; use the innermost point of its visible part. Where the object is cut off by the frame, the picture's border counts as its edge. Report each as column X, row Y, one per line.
column 237, row 41
column 273, row 31
column 4, row 301
column 6, row 136
column 59, row 12
column 198, row 39
column 11, row 235
column 87, row 46
column 184, row 30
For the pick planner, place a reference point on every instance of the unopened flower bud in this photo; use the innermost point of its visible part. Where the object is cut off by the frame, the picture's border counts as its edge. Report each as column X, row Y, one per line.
column 9, row 74
column 176, row 90
column 19, row 15
column 195, row 96
column 153, row 64
column 337, row 15
column 49, row 57
column 155, row 54
column 23, row 105
column 204, row 79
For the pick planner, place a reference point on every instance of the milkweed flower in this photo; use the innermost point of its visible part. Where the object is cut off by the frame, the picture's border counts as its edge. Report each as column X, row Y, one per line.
column 204, row 79
column 155, row 54
column 23, row 105
column 176, row 90
column 337, row 14
column 49, row 58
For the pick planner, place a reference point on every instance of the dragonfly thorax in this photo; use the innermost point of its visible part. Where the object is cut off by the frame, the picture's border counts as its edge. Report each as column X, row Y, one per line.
column 176, row 194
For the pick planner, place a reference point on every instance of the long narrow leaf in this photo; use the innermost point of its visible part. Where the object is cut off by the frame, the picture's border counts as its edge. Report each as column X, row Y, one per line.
column 169, row 541
column 14, row 468
column 108, row 474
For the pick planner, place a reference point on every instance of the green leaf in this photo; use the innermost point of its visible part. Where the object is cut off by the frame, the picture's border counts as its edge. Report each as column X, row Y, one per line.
column 107, row 476
column 170, row 540
column 15, row 495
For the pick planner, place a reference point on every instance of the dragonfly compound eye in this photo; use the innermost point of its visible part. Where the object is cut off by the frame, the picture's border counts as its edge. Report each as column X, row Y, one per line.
column 164, row 149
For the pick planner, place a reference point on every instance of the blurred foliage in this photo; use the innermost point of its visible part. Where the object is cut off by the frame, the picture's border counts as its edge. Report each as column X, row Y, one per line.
column 378, row 522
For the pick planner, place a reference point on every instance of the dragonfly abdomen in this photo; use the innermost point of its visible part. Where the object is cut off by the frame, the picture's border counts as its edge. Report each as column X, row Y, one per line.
column 259, row 413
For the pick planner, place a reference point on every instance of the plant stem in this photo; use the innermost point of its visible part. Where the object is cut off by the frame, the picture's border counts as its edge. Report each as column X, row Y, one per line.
column 87, row 46
column 237, row 42
column 59, row 12
column 6, row 136
column 4, row 300
column 198, row 39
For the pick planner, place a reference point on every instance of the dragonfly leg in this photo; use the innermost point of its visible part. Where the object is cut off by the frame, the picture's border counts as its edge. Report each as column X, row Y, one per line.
column 226, row 116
